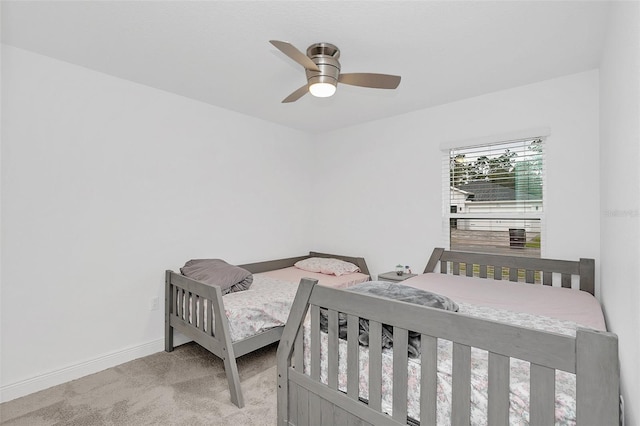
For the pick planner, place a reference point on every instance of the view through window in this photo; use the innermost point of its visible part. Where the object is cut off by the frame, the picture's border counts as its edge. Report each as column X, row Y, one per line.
column 495, row 197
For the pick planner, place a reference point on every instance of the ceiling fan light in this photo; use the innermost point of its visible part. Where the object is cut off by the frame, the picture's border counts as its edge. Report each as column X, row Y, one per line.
column 322, row 90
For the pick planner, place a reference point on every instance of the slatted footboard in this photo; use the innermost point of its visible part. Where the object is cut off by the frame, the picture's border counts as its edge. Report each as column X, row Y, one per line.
column 303, row 398
column 196, row 310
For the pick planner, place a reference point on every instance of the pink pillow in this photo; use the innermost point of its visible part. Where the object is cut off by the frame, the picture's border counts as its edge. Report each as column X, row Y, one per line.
column 327, row 266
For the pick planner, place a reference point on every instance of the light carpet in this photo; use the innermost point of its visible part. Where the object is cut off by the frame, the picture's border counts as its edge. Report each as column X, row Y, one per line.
column 185, row 387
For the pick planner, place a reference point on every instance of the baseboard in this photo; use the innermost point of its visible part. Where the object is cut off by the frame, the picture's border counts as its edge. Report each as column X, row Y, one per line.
column 56, row 377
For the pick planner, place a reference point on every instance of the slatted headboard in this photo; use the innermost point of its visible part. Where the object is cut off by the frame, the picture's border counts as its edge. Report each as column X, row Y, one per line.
column 513, row 268
column 285, row 263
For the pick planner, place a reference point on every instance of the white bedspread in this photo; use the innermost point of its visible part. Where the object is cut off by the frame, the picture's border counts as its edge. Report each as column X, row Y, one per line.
column 266, row 304
column 519, row 387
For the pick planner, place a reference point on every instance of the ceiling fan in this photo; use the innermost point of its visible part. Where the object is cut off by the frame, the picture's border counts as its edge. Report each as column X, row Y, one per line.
column 323, row 71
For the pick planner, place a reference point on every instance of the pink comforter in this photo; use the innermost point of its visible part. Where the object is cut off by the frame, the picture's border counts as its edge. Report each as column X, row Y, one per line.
column 294, row 275
column 555, row 302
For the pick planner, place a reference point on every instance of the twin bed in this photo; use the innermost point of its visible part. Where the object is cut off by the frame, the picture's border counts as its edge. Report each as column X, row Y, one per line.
column 545, row 360
column 241, row 322
column 524, row 347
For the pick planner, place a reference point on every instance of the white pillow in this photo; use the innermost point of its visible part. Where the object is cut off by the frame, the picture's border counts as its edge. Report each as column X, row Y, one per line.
column 327, row 266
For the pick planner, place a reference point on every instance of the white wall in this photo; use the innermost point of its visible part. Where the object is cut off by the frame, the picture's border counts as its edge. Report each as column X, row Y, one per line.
column 107, row 183
column 620, row 192
column 387, row 173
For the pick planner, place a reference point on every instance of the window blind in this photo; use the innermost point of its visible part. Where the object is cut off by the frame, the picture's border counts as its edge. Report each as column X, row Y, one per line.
column 493, row 196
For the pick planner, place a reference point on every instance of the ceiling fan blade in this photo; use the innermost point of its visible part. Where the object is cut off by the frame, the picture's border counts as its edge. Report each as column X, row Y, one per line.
column 365, row 79
column 292, row 52
column 296, row 95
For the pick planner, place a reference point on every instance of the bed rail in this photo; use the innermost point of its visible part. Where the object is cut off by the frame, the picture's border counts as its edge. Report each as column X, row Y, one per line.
column 514, row 268
column 304, row 399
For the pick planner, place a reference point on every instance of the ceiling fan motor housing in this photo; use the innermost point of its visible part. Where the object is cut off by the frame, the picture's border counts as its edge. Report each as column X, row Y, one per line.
column 322, row 70
column 325, row 56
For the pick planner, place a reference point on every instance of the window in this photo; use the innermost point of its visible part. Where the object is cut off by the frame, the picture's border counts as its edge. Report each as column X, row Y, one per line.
column 493, row 197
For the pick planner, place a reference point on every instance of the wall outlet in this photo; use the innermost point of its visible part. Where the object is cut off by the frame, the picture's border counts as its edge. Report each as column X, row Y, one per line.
column 154, row 304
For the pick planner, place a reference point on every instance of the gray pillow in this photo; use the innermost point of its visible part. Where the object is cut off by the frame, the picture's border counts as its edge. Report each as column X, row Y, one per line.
column 230, row 278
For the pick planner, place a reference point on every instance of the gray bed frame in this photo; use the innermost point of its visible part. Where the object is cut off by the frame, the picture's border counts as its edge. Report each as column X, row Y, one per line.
column 188, row 318
column 592, row 356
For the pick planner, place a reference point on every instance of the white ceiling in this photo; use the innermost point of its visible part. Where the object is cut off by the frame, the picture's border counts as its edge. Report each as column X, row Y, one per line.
column 218, row 51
